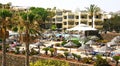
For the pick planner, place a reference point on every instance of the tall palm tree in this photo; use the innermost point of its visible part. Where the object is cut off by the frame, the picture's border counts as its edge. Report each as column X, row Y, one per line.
column 93, row 10
column 116, row 58
column 4, row 15
column 31, row 27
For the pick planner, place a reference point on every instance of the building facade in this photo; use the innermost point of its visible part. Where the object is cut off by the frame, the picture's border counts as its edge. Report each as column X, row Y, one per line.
column 65, row 19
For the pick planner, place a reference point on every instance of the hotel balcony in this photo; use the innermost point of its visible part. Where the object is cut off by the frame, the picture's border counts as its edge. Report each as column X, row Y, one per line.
column 99, row 26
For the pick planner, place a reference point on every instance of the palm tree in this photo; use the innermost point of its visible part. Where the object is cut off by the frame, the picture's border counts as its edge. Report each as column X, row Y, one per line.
column 46, row 50
column 4, row 14
column 116, row 58
column 31, row 27
column 52, row 50
column 66, row 55
column 93, row 10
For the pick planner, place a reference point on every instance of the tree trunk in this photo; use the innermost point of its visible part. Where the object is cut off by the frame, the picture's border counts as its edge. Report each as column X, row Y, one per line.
column 4, row 48
column 46, row 52
column 116, row 63
column 27, row 48
column 27, row 55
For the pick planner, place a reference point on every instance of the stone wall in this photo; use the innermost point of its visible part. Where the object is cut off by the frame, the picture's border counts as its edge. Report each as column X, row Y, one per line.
column 19, row 60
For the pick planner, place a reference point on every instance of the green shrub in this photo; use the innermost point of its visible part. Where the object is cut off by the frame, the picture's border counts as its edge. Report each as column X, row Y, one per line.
column 33, row 52
column 62, row 49
column 66, row 54
column 63, row 43
column 74, row 55
column 17, row 50
column 78, row 57
column 23, row 52
column 57, row 44
column 87, row 60
column 116, row 58
column 49, row 63
column 7, row 46
column 76, row 42
column 0, row 47
column 51, row 51
column 59, row 55
column 46, row 50
column 0, row 40
column 100, row 61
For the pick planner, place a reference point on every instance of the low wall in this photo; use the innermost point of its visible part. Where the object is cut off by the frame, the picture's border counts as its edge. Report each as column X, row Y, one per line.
column 19, row 60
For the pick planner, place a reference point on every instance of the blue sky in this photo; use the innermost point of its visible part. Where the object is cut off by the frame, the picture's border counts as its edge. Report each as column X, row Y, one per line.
column 105, row 5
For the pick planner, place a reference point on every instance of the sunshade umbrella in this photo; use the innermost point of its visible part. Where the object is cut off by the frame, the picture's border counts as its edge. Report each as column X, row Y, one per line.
column 90, row 42
column 85, row 48
column 105, row 49
column 111, row 43
column 83, row 39
column 70, row 44
column 39, row 44
column 94, row 38
column 116, row 39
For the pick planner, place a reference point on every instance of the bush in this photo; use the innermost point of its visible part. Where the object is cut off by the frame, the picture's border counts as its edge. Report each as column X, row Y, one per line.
column 33, row 52
column 87, row 60
column 59, row 55
column 63, row 43
column 0, row 47
column 100, row 61
column 62, row 49
column 116, row 58
column 7, row 46
column 23, row 52
column 51, row 51
column 0, row 40
column 78, row 57
column 76, row 42
column 46, row 50
column 17, row 50
column 66, row 54
column 57, row 44
column 49, row 63
column 74, row 55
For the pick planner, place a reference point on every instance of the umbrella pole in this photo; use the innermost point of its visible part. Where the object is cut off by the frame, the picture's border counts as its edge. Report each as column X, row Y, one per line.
column 70, row 50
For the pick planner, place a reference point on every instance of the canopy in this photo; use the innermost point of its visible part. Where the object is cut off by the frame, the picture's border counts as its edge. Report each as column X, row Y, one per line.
column 84, row 48
column 105, row 49
column 13, row 33
column 81, row 27
column 90, row 42
column 39, row 44
column 70, row 44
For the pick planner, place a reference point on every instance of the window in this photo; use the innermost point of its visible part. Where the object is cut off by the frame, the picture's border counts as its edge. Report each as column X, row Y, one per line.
column 90, row 17
column 53, row 19
column 77, row 17
column 65, row 23
column 59, row 19
column 98, row 16
column 76, row 23
column 71, row 16
column 65, row 17
column 70, row 23
column 84, row 22
column 98, row 23
column 84, row 16
column 90, row 23
column 59, row 13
